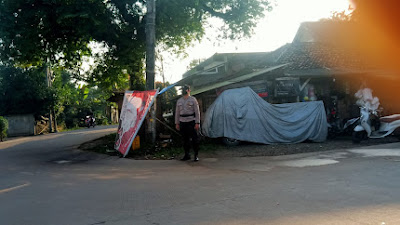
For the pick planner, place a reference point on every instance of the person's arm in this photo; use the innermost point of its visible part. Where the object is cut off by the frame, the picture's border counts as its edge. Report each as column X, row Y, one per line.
column 196, row 114
column 177, row 115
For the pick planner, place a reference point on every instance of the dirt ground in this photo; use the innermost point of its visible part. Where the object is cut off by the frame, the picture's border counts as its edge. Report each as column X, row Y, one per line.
column 218, row 150
column 250, row 149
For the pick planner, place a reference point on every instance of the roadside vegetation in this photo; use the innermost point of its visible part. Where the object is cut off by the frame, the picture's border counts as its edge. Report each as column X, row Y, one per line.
column 3, row 128
column 24, row 91
column 171, row 150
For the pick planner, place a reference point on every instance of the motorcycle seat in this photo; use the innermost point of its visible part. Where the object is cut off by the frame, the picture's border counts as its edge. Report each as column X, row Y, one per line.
column 389, row 119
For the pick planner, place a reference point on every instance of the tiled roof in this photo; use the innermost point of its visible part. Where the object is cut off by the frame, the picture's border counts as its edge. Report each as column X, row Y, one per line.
column 325, row 44
column 309, row 55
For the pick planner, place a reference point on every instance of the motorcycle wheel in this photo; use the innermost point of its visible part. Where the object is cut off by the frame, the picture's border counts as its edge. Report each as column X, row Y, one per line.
column 397, row 133
column 230, row 141
column 358, row 136
column 332, row 133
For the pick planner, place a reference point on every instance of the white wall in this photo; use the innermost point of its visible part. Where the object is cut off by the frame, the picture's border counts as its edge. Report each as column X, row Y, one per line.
column 20, row 125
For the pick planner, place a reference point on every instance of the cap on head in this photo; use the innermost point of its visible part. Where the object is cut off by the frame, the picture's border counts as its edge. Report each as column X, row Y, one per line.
column 185, row 88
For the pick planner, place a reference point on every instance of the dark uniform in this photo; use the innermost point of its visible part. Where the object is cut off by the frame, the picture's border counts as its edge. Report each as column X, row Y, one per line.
column 187, row 116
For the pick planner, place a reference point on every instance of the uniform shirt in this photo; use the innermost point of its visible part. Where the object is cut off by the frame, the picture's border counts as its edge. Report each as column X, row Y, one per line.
column 187, row 110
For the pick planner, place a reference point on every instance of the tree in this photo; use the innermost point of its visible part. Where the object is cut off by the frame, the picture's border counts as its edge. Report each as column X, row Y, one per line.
column 193, row 63
column 379, row 30
column 167, row 98
column 75, row 100
column 34, row 32
column 339, row 16
column 378, row 35
column 24, row 91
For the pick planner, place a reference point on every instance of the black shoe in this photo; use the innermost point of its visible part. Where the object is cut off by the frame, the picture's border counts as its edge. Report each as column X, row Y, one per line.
column 196, row 159
column 185, row 158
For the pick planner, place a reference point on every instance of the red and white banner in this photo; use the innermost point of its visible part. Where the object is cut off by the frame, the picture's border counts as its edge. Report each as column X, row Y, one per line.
column 134, row 109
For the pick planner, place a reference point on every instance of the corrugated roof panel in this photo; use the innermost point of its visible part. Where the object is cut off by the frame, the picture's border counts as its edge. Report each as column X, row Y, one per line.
column 236, row 79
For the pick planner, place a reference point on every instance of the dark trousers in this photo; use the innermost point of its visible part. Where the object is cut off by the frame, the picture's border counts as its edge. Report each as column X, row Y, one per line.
column 188, row 132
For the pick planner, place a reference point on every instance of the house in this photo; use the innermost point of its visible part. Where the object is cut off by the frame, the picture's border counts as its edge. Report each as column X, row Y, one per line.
column 231, row 70
column 322, row 63
column 329, row 57
column 325, row 60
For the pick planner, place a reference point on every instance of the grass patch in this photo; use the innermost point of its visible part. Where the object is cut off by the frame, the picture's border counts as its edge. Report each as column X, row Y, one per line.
column 104, row 145
column 71, row 129
column 176, row 151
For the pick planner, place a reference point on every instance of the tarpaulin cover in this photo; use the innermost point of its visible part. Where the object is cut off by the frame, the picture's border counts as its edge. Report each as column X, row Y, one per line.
column 241, row 114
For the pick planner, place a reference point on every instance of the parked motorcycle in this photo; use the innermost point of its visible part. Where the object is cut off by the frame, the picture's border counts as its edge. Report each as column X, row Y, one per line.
column 371, row 125
column 336, row 125
column 341, row 128
column 90, row 121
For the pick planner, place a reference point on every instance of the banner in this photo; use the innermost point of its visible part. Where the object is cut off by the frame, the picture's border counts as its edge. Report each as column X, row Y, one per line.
column 134, row 109
column 287, row 87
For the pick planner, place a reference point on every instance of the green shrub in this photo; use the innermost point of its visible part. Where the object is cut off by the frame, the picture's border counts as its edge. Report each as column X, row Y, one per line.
column 102, row 120
column 3, row 128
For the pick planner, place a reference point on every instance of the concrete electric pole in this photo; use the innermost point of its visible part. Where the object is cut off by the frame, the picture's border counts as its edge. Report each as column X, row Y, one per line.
column 150, row 58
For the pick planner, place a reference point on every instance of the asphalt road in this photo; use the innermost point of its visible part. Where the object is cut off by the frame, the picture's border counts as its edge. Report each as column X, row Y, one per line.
column 45, row 180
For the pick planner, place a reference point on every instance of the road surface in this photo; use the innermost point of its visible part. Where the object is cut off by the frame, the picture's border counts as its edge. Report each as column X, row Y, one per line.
column 45, row 180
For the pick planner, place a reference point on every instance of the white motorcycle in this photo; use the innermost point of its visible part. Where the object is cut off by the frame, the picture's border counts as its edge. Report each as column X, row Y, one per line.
column 383, row 127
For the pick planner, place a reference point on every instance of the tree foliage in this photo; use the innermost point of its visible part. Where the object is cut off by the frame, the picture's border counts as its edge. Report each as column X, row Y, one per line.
column 194, row 63
column 378, row 35
column 76, row 100
column 339, row 16
column 24, row 91
column 33, row 32
column 168, row 98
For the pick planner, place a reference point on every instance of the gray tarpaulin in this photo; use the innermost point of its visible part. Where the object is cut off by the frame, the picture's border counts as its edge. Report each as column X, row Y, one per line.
column 241, row 114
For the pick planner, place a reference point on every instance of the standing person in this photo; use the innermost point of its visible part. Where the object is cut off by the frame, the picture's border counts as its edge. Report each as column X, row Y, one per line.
column 187, row 121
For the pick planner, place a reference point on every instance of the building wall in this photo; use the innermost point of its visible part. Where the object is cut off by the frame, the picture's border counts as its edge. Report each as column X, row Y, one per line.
column 20, row 125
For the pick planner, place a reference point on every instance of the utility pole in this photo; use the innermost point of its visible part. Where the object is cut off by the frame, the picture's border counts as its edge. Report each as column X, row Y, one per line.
column 150, row 44
column 150, row 58
column 48, row 79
